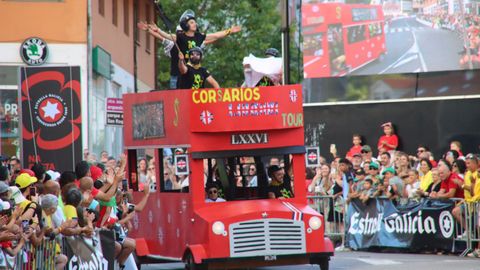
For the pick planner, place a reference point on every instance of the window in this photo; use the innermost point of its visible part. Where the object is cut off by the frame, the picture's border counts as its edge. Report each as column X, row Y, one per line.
column 101, row 7
column 246, row 178
column 145, row 173
column 175, row 172
column 356, row 33
column 364, row 14
column 115, row 12
column 97, row 120
column 147, row 35
column 312, row 44
column 375, row 29
column 9, row 111
column 126, row 21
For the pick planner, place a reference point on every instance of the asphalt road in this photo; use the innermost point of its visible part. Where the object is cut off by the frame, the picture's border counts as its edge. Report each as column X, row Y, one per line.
column 416, row 47
column 374, row 261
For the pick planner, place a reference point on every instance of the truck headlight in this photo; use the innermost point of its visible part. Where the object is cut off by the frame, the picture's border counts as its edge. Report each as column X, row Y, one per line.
column 218, row 228
column 315, row 223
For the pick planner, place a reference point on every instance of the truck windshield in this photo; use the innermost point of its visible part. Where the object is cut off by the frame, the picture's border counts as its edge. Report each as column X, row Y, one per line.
column 248, row 178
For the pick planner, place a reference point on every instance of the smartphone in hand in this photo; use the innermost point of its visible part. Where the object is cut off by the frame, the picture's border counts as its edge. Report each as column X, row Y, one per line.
column 333, row 149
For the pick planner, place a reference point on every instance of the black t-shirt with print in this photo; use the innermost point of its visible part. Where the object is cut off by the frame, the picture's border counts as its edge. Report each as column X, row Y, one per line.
column 185, row 43
column 193, row 79
column 283, row 190
column 265, row 81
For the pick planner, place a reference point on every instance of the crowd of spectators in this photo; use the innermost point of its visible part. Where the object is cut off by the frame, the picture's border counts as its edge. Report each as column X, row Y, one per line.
column 398, row 176
column 468, row 24
column 38, row 205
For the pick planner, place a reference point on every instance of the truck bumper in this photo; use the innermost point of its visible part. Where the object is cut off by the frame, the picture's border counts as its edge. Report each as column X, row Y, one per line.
column 269, row 260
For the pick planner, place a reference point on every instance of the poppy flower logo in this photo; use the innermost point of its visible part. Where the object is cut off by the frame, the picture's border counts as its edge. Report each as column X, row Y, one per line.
column 51, row 108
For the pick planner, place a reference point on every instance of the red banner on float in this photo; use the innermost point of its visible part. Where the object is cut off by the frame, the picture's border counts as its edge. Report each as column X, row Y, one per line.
column 246, row 109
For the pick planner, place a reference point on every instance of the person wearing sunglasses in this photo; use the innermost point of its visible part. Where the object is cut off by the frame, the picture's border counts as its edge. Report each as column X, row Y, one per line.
column 422, row 152
column 374, row 173
column 252, row 176
column 212, row 193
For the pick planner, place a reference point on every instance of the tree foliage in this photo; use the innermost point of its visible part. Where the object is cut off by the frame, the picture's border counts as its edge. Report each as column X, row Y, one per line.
column 260, row 21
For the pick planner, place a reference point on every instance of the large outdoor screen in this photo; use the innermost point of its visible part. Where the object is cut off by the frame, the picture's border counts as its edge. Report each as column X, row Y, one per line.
column 388, row 37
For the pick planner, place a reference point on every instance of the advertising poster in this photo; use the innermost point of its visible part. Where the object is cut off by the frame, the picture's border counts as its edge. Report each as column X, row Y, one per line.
column 51, row 116
column 425, row 225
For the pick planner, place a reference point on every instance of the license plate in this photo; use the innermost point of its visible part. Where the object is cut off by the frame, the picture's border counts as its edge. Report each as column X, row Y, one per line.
column 270, row 258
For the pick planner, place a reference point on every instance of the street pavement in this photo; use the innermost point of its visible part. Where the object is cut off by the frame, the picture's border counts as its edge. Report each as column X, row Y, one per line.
column 416, row 47
column 373, row 261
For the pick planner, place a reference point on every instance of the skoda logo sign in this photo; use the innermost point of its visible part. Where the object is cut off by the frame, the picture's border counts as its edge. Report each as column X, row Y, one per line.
column 34, row 51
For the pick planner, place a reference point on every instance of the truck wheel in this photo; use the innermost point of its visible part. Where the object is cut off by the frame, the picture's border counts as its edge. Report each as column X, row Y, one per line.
column 138, row 262
column 191, row 265
column 324, row 263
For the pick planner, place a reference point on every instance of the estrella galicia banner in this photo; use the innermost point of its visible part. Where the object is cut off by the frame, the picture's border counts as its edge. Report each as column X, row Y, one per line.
column 83, row 255
column 51, row 116
column 378, row 223
column 107, row 240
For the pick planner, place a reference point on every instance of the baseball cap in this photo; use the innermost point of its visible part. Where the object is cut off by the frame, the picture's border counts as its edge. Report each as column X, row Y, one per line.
column 374, row 165
column 53, row 175
column 389, row 169
column 3, row 187
column 357, row 155
column 17, row 195
column 273, row 168
column 366, row 148
column 24, row 180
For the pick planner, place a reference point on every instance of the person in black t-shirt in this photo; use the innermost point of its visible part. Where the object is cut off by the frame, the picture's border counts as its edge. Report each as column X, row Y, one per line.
column 192, row 74
column 278, row 188
column 187, row 38
column 191, row 37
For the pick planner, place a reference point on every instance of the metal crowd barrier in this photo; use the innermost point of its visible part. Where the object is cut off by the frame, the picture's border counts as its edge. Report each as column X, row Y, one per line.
column 475, row 224
column 469, row 232
column 333, row 210
column 37, row 257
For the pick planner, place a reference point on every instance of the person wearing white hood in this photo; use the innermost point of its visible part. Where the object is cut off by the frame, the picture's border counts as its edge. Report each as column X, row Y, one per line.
column 263, row 71
column 4, row 196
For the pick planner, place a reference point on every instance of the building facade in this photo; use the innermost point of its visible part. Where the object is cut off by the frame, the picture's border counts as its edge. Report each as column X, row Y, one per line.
column 99, row 36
